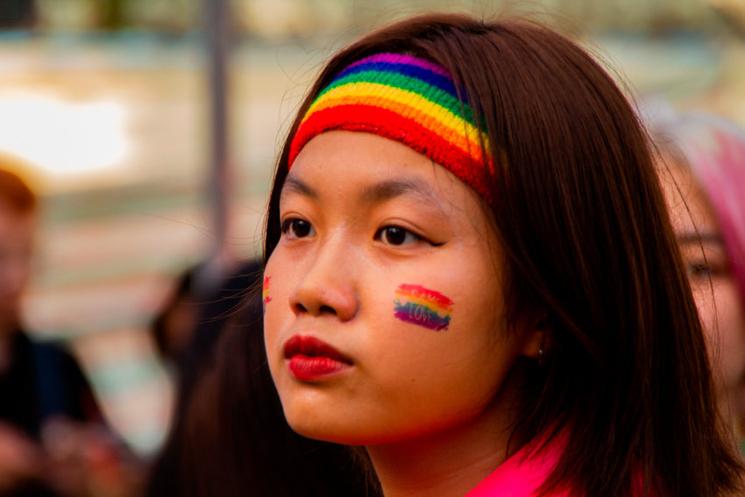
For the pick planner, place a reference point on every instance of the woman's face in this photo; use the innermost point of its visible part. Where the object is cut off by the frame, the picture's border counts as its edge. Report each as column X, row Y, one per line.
column 714, row 288
column 383, row 298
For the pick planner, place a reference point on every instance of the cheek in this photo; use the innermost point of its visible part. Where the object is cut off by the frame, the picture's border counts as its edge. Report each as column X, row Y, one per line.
column 707, row 303
column 454, row 319
column 266, row 296
column 724, row 322
column 427, row 381
column 275, row 295
column 732, row 330
column 438, row 308
column 431, row 345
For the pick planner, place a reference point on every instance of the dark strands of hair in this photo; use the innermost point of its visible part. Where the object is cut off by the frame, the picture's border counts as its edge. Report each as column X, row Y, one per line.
column 588, row 248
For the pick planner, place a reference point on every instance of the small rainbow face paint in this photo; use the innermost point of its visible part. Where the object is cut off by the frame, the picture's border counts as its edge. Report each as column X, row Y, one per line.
column 422, row 306
column 265, row 290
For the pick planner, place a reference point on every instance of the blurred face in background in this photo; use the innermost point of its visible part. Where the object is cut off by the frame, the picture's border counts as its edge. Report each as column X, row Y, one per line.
column 16, row 247
column 712, row 283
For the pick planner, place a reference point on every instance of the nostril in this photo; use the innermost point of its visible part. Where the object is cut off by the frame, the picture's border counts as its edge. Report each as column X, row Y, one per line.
column 325, row 309
column 299, row 308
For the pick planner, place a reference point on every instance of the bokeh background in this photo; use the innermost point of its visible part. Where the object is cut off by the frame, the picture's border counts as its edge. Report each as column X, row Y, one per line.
column 110, row 103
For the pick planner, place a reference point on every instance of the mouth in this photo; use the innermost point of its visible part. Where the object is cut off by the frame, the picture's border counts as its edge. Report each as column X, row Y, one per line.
column 310, row 359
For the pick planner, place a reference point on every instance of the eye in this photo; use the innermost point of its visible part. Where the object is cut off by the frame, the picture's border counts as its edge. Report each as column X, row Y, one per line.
column 397, row 236
column 699, row 270
column 294, row 228
column 707, row 269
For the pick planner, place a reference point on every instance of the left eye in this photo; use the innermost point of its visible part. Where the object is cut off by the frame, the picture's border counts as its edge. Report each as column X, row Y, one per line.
column 396, row 236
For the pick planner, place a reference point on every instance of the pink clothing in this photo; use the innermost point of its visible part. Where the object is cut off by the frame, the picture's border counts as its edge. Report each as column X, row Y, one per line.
column 521, row 475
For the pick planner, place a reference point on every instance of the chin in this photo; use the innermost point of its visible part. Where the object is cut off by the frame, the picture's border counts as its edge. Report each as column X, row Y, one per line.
column 324, row 430
column 347, row 428
column 327, row 424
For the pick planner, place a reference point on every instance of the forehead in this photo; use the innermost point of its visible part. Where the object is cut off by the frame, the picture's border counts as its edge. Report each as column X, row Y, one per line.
column 689, row 209
column 343, row 165
column 361, row 152
column 12, row 217
column 16, row 228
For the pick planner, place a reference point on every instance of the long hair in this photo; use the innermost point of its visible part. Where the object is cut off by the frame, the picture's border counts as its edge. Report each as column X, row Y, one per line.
column 588, row 247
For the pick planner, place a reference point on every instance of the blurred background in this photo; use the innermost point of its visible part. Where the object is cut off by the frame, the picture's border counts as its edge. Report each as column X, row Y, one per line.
column 152, row 142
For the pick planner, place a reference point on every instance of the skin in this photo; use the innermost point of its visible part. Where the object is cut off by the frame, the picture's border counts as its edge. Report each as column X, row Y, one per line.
column 714, row 288
column 16, row 248
column 20, row 459
column 432, row 408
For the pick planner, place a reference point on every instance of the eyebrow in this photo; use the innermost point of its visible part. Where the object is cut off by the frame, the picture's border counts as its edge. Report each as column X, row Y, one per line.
column 296, row 185
column 390, row 189
column 377, row 193
column 699, row 238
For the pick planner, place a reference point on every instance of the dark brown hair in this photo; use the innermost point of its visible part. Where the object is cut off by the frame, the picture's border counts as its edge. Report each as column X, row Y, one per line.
column 588, row 246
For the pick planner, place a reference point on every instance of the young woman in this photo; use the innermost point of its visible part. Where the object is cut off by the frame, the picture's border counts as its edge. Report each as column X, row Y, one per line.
column 472, row 275
column 705, row 189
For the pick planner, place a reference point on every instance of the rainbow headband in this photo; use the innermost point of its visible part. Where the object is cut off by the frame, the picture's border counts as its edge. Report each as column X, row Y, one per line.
column 406, row 99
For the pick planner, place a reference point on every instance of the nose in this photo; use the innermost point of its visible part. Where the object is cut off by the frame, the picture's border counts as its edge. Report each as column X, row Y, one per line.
column 328, row 286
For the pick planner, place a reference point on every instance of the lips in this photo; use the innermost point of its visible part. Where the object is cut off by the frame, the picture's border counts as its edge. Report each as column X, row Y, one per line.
column 312, row 359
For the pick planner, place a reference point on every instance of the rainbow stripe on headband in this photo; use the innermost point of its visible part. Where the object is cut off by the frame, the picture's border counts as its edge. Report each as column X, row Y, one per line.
column 406, row 99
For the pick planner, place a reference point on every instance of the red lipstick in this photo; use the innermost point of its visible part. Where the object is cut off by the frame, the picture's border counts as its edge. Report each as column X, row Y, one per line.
column 311, row 359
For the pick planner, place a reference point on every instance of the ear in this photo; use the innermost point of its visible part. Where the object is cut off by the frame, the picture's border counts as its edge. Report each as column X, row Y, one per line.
column 535, row 338
column 534, row 344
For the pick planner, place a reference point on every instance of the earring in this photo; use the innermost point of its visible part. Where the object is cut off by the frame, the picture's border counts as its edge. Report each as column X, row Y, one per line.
column 541, row 354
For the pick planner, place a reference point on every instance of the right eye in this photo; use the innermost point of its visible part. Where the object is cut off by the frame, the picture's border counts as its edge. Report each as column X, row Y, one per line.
column 707, row 269
column 699, row 270
column 294, row 228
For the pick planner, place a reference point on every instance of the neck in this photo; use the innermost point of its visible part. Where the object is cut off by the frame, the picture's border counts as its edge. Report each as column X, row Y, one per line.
column 448, row 463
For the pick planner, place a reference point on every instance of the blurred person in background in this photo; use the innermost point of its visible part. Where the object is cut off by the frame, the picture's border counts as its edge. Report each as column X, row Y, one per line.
column 53, row 440
column 194, row 314
column 172, row 328
column 704, row 158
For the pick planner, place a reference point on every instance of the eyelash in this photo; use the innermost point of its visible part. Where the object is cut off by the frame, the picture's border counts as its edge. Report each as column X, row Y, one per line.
column 400, row 230
column 291, row 224
column 705, row 270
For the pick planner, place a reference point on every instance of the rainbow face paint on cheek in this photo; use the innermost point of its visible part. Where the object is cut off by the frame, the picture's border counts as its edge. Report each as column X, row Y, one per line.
column 418, row 305
column 265, row 290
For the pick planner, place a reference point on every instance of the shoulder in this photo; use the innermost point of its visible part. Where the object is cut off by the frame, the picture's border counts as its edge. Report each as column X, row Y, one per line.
column 55, row 355
column 63, row 387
